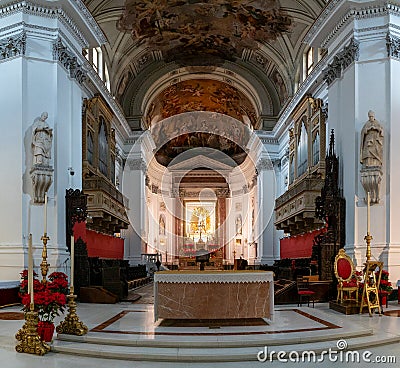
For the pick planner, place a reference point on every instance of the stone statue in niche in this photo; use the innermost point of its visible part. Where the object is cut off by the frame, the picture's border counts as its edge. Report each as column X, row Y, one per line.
column 41, row 171
column 161, row 229
column 41, row 141
column 239, row 225
column 371, row 157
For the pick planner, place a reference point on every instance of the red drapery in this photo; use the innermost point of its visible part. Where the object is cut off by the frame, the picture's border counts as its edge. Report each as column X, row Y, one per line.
column 98, row 244
column 299, row 246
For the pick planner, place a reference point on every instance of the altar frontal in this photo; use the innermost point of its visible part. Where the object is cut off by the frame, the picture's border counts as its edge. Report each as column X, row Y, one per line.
column 213, row 295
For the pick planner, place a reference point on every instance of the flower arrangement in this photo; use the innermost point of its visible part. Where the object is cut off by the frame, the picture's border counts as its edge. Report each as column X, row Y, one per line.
column 385, row 284
column 49, row 297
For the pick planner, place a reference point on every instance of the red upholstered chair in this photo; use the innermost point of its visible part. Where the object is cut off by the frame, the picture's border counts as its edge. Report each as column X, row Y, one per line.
column 345, row 273
column 304, row 291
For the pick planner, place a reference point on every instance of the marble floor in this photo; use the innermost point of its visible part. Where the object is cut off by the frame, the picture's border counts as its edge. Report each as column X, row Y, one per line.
column 125, row 335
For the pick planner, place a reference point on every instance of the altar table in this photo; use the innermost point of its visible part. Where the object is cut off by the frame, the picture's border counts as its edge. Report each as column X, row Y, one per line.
column 213, row 294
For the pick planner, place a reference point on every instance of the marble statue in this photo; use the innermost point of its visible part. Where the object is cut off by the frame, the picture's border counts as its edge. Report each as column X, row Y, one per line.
column 371, row 148
column 41, row 171
column 371, row 157
column 41, row 141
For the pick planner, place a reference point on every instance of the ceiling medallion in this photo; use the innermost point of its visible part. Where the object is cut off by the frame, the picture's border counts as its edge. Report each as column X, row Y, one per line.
column 203, row 32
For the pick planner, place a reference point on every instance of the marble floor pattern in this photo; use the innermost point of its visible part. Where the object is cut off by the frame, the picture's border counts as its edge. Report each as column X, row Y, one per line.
column 132, row 324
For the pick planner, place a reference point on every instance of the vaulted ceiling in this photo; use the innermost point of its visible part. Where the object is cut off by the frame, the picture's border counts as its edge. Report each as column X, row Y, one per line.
column 253, row 47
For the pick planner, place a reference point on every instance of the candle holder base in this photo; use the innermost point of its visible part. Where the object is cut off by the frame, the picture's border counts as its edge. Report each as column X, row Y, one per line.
column 29, row 340
column 71, row 324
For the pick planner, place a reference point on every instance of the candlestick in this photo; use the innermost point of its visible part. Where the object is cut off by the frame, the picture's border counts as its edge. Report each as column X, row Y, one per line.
column 368, row 214
column 30, row 268
column 72, row 261
column 45, row 213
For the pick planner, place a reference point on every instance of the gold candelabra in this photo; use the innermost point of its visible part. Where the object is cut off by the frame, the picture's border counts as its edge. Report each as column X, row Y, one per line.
column 44, row 266
column 29, row 340
column 71, row 324
column 368, row 239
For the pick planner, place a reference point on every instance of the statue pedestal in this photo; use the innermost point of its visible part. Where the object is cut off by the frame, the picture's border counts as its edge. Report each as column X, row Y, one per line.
column 371, row 178
column 42, row 177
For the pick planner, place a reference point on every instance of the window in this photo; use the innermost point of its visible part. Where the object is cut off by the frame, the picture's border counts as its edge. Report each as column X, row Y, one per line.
column 103, row 148
column 90, row 148
column 95, row 58
column 308, row 62
column 107, row 77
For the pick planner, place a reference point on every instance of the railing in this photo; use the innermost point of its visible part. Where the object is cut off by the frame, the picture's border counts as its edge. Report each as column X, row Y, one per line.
column 101, row 184
column 303, row 185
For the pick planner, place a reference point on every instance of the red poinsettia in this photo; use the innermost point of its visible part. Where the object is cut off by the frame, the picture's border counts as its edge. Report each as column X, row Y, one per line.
column 49, row 297
column 385, row 284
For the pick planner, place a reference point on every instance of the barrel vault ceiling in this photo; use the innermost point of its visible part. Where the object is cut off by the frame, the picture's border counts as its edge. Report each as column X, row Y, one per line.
column 254, row 47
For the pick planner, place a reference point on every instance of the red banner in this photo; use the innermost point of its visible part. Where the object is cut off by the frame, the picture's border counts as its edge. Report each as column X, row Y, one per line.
column 98, row 244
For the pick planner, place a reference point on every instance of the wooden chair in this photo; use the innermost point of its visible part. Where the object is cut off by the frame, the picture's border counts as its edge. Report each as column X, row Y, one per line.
column 345, row 273
column 304, row 291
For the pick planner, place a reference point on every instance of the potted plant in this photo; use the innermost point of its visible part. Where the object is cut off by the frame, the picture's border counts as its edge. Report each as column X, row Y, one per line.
column 49, row 299
column 385, row 287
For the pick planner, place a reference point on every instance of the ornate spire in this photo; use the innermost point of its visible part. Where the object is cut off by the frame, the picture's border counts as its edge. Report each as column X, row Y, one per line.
column 332, row 143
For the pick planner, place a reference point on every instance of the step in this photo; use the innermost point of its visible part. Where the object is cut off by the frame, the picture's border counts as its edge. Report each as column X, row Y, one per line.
column 217, row 354
column 217, row 340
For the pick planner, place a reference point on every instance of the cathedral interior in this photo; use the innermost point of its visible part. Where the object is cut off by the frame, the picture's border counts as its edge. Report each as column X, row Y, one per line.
column 148, row 144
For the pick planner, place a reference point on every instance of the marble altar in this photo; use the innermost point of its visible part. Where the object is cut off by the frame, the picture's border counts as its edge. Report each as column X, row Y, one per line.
column 213, row 294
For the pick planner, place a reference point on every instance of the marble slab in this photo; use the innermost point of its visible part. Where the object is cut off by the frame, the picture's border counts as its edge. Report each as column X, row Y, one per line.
column 210, row 299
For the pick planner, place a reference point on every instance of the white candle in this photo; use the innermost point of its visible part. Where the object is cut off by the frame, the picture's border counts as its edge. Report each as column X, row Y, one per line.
column 368, row 214
column 30, row 267
column 72, row 260
column 45, row 214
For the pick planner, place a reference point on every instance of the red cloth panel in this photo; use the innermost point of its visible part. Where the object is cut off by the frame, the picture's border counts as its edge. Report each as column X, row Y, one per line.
column 299, row 246
column 344, row 268
column 98, row 244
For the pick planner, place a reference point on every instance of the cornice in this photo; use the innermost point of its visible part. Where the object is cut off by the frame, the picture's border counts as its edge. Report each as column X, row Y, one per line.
column 354, row 11
column 84, row 11
column 31, row 8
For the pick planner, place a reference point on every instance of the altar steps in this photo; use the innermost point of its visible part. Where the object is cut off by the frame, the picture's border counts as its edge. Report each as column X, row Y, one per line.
column 177, row 351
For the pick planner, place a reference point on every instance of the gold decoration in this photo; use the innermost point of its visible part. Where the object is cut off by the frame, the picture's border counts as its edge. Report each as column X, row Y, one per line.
column 29, row 340
column 71, row 324
column 44, row 266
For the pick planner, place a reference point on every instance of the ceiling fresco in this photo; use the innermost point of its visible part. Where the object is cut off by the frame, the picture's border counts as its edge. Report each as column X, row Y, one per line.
column 215, row 136
column 203, row 32
column 202, row 95
column 206, row 144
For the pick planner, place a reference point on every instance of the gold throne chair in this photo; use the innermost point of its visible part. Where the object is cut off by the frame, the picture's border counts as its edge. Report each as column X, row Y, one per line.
column 348, row 284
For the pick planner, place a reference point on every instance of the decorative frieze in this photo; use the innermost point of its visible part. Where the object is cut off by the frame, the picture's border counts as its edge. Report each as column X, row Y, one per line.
column 69, row 61
column 341, row 61
column 13, row 46
column 393, row 46
column 223, row 193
